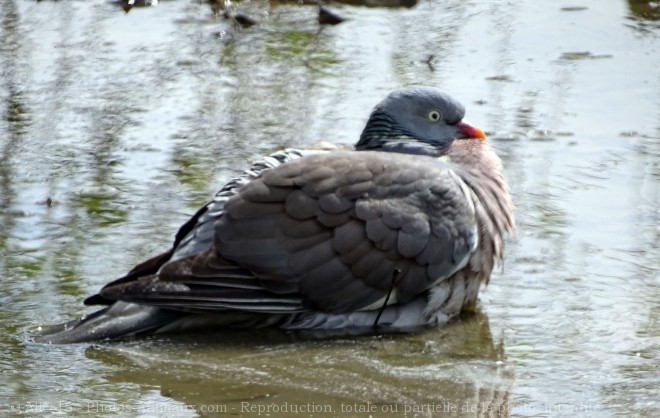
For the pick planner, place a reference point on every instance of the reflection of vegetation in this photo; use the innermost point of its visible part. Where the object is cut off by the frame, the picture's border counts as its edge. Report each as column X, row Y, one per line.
column 18, row 118
column 645, row 15
column 65, row 266
column 16, row 114
column 27, row 266
column 644, row 9
column 191, row 170
column 102, row 205
column 303, row 46
column 102, row 199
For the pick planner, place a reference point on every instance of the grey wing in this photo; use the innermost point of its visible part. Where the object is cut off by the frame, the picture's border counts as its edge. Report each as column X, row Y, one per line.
column 335, row 232
column 200, row 237
column 160, row 281
column 345, row 230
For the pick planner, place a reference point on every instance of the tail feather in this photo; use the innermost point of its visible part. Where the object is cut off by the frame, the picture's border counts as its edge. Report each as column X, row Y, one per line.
column 118, row 320
column 123, row 319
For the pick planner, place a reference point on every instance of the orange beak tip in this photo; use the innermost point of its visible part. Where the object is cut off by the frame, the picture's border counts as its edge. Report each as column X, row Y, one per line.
column 471, row 131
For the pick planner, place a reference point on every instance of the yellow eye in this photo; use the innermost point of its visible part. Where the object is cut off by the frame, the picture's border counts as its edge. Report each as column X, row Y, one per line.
column 435, row 115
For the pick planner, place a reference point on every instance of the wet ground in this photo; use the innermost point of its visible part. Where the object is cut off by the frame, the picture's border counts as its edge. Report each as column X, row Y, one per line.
column 115, row 126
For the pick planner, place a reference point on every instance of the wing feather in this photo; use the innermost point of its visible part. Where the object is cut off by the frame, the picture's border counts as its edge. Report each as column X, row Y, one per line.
column 335, row 232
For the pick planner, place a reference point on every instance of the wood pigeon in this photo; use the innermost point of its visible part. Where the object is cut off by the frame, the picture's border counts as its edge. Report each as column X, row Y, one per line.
column 395, row 233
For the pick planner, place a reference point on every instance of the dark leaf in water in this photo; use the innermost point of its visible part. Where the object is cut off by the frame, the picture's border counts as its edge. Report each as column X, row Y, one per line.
column 502, row 77
column 127, row 5
column 240, row 19
column 327, row 17
column 366, row 3
column 582, row 55
column 573, row 8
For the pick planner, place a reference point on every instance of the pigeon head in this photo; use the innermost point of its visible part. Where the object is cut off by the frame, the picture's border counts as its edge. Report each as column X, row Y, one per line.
column 416, row 120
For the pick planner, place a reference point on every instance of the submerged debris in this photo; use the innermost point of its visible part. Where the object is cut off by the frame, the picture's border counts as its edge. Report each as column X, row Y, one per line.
column 501, row 77
column 228, row 13
column 366, row 3
column 49, row 202
column 582, row 55
column 430, row 61
column 240, row 19
column 127, row 5
column 328, row 17
column 573, row 8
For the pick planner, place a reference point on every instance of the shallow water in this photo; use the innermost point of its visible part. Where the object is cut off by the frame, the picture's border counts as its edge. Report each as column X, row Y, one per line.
column 115, row 126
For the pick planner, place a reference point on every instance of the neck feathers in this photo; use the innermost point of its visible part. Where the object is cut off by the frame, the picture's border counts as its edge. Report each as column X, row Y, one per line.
column 481, row 169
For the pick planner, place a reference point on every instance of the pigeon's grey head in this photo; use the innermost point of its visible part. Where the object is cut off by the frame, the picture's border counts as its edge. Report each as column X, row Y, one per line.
column 416, row 120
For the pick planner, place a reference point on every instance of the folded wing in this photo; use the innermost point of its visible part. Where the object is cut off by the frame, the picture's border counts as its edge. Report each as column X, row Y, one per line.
column 334, row 232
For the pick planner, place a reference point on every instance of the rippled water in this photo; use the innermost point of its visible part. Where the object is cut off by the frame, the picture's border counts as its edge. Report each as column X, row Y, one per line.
column 115, row 126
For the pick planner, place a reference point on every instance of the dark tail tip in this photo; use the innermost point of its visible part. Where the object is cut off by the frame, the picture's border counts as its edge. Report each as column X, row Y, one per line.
column 119, row 320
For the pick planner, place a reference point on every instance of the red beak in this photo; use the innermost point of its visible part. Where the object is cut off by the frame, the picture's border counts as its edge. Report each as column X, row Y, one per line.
column 471, row 131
